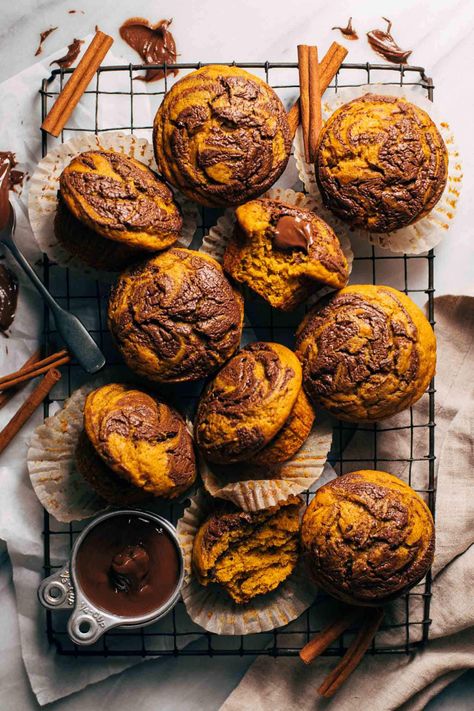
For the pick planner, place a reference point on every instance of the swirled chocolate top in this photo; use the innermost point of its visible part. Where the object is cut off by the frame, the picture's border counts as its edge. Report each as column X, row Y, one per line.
column 176, row 317
column 221, row 135
column 381, row 163
column 121, row 198
column 368, row 537
column 368, row 353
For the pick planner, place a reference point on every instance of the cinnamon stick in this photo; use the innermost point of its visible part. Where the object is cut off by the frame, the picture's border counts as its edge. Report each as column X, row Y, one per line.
column 328, row 68
column 77, row 84
column 335, row 679
column 303, row 71
column 315, row 117
column 323, row 639
column 7, row 396
column 34, row 399
column 33, row 370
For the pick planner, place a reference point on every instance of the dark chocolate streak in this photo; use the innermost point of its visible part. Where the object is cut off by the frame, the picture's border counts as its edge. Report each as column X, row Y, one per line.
column 8, row 297
column 337, row 366
column 71, row 55
column 239, row 120
column 121, row 204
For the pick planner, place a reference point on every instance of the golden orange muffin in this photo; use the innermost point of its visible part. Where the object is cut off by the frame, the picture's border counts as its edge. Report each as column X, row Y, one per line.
column 368, row 537
column 248, row 553
column 176, row 317
column 141, row 439
column 221, row 136
column 106, row 483
column 91, row 248
column 367, row 352
column 284, row 253
column 254, row 408
column 121, row 199
column 381, row 163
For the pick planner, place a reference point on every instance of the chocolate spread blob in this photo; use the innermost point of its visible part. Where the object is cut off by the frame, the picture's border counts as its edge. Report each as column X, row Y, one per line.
column 154, row 43
column 70, row 57
column 293, row 232
column 384, row 44
column 8, row 297
column 348, row 31
column 16, row 177
column 128, row 566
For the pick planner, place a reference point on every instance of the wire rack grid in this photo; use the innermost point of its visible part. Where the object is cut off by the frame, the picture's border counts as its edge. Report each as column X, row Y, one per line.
column 406, row 627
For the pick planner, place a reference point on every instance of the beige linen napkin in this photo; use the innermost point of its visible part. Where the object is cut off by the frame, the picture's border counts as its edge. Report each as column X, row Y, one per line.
column 391, row 682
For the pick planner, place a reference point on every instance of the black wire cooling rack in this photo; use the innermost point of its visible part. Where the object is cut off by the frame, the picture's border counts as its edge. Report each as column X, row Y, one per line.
column 406, row 625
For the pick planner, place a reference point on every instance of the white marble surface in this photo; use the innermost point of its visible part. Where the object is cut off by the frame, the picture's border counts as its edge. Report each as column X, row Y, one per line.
column 213, row 30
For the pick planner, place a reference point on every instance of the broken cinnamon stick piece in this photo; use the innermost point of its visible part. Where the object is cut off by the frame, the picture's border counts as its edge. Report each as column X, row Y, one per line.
column 323, row 639
column 356, row 650
column 7, row 396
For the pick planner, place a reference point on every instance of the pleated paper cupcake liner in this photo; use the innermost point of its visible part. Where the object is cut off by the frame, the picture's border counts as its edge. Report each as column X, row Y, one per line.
column 56, row 481
column 427, row 232
column 252, row 488
column 44, row 185
column 215, row 242
column 215, row 611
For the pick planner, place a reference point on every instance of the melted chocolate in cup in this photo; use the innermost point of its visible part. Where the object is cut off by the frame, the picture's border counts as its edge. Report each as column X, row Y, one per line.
column 128, row 566
column 293, row 232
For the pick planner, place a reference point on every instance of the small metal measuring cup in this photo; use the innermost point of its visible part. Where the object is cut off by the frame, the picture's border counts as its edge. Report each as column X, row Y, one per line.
column 88, row 622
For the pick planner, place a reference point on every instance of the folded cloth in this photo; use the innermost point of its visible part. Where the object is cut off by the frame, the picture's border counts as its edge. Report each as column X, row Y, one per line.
column 408, row 682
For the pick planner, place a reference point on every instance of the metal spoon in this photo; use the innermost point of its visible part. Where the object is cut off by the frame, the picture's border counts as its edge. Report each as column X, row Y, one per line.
column 74, row 334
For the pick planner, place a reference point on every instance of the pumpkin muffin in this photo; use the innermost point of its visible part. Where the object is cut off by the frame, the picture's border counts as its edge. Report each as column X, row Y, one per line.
column 121, row 199
column 141, row 439
column 367, row 352
column 221, row 136
column 381, row 163
column 284, row 253
column 254, row 409
column 368, row 537
column 248, row 553
column 176, row 317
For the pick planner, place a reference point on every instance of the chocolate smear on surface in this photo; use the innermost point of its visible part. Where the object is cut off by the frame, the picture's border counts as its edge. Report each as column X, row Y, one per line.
column 154, row 43
column 70, row 57
column 293, row 233
column 384, row 44
column 16, row 177
column 73, row 12
column 348, row 31
column 43, row 36
column 8, row 298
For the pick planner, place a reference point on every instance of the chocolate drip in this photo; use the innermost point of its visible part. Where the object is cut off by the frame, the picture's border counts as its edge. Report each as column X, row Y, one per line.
column 43, row 36
column 293, row 232
column 8, row 297
column 154, row 43
column 348, row 31
column 70, row 57
column 128, row 566
column 384, row 44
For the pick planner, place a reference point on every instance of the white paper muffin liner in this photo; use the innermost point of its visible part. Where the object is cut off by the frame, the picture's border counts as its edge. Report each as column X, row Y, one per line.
column 59, row 486
column 215, row 611
column 215, row 242
column 44, row 185
column 253, row 488
column 427, row 232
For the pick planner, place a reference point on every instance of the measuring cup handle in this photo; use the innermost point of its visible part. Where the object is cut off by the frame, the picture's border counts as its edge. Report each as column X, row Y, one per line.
column 87, row 624
column 57, row 591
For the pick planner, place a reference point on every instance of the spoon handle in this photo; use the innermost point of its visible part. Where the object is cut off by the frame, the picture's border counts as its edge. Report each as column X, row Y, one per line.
column 78, row 340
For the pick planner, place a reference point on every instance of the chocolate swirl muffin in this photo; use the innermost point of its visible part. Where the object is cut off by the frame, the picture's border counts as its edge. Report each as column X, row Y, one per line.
column 254, row 409
column 367, row 353
column 221, row 136
column 381, row 163
column 248, row 553
column 175, row 317
column 141, row 439
column 121, row 199
column 284, row 253
column 368, row 537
